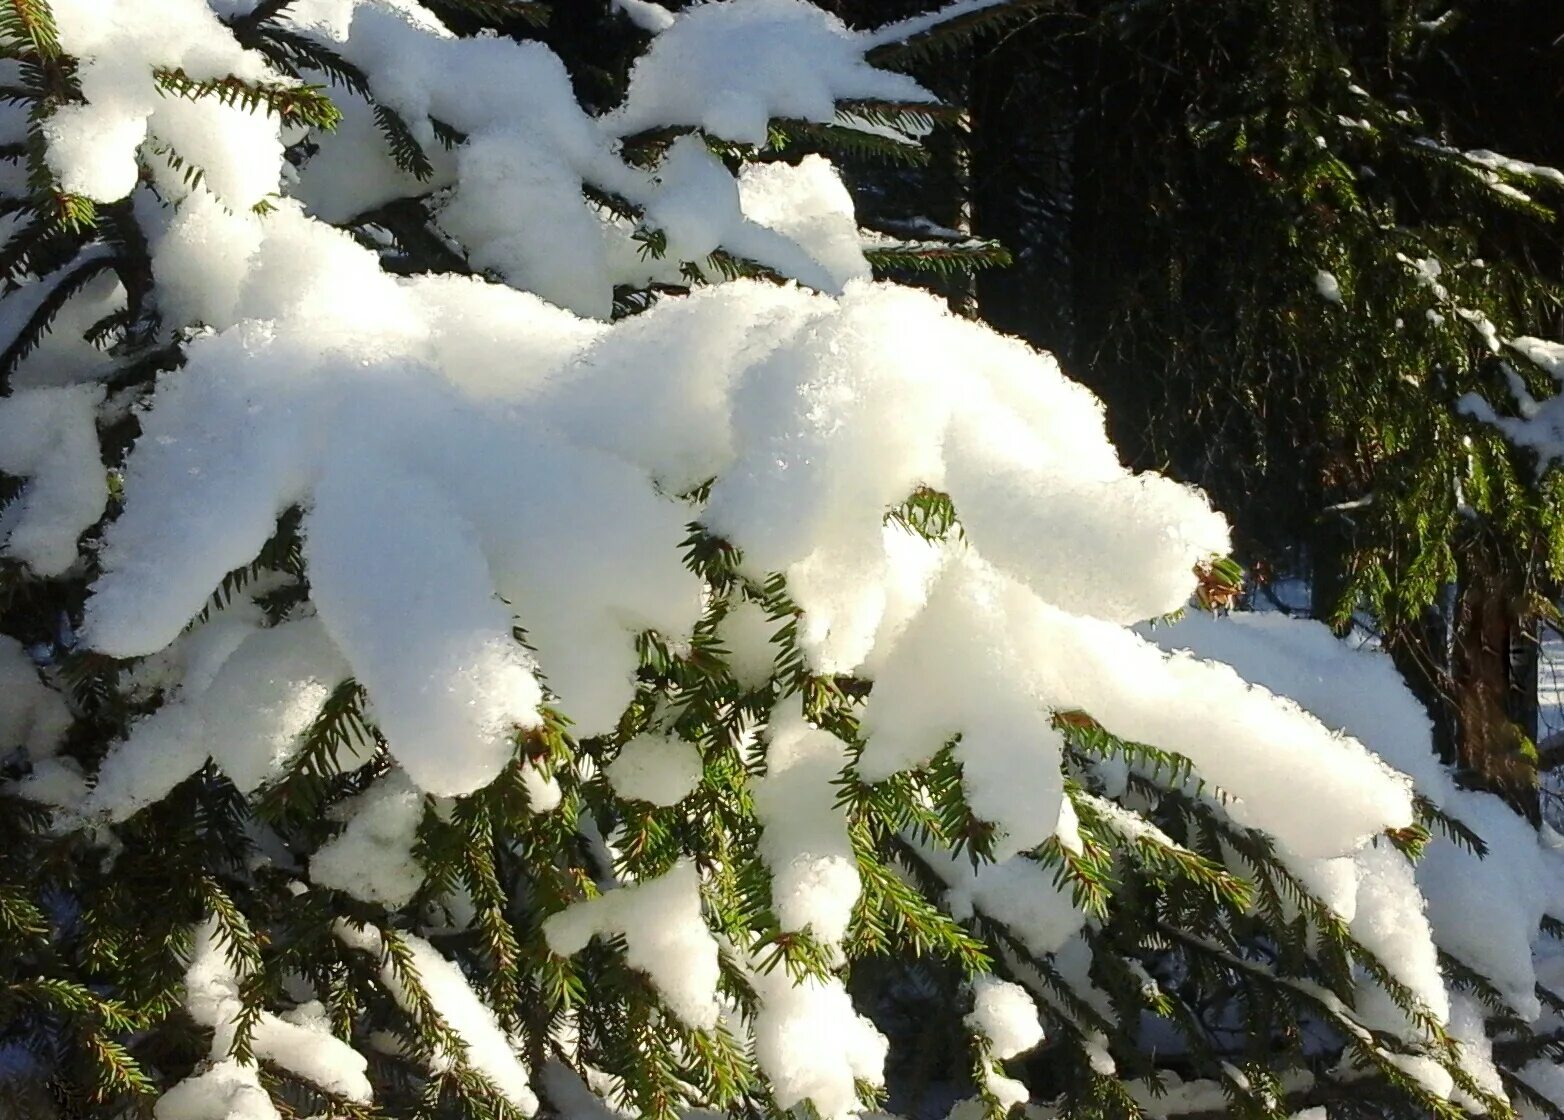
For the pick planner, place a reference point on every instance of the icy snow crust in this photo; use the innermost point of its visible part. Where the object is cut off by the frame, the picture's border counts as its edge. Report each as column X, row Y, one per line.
column 475, row 459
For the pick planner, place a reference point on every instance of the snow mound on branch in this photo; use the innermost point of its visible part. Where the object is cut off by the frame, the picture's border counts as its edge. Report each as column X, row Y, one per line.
column 32, row 715
column 1019, row 893
column 484, row 1045
column 495, row 490
column 804, row 840
column 731, row 69
column 665, row 937
column 1006, row 1015
column 372, row 858
column 309, row 1050
column 460, row 484
column 248, row 713
column 1486, row 912
column 63, row 356
column 808, row 204
column 50, row 436
column 93, row 145
column 660, row 769
column 813, row 1045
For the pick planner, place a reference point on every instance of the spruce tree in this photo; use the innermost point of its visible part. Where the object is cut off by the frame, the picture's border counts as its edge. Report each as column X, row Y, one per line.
column 504, row 614
column 1287, row 240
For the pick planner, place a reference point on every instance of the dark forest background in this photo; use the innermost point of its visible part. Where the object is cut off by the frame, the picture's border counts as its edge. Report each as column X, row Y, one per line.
column 1168, row 179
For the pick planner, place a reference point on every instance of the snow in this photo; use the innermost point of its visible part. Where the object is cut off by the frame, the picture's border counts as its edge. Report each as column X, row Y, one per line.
column 970, row 663
column 372, row 858
column 804, row 841
column 486, row 1048
column 729, row 69
column 225, row 1091
column 812, row 1045
column 92, row 147
column 213, row 999
column 32, row 715
column 958, row 669
column 660, row 769
column 472, row 684
column 799, row 220
column 1019, row 893
column 503, row 173
column 63, row 356
column 1347, row 688
column 665, row 937
column 1493, row 161
column 1467, row 1028
column 495, row 486
column 1484, row 911
column 93, row 153
column 249, row 715
column 1389, row 920
column 239, row 154
column 903, row 30
column 1005, row 1014
column 746, row 634
column 1541, row 352
column 50, row 436
column 645, row 14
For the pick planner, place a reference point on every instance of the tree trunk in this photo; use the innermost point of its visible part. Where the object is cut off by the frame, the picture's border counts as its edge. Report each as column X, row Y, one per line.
column 1492, row 747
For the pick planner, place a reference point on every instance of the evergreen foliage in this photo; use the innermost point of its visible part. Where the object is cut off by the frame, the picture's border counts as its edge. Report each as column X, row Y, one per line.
column 192, row 958
column 1285, row 242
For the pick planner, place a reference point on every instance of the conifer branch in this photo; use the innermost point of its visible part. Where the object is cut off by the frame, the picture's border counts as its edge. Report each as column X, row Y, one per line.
column 40, row 322
column 31, row 21
column 535, row 13
column 946, row 258
column 291, row 104
column 922, row 37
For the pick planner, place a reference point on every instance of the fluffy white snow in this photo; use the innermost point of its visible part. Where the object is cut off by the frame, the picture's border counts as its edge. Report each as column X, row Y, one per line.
column 32, row 715
column 212, row 997
column 1006, row 1015
column 224, row 1091
column 50, row 436
column 63, row 356
column 248, row 715
column 804, row 841
column 645, row 14
column 732, row 68
column 665, row 937
column 372, row 858
column 813, row 1045
column 746, row 634
column 661, row 769
column 1020, row 893
column 487, row 1050
column 1539, row 424
column 93, row 146
column 470, row 683
column 1485, row 912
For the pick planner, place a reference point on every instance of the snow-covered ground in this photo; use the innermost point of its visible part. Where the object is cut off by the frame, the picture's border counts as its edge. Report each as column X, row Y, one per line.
column 1550, row 718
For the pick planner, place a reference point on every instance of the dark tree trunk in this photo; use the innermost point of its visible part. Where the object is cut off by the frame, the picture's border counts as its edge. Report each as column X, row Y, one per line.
column 1492, row 746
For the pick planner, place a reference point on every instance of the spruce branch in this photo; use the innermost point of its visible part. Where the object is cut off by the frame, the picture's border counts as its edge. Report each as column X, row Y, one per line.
column 31, row 21
column 946, row 258
column 340, row 729
column 40, row 322
column 534, row 13
column 924, row 37
column 291, row 104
